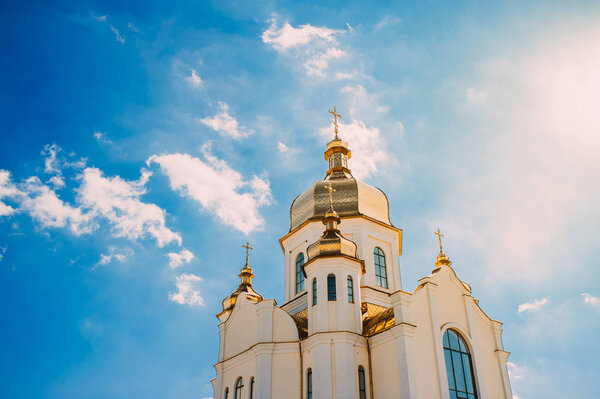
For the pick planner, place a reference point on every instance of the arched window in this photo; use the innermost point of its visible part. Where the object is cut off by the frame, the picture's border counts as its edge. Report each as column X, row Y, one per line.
column 309, row 384
column 299, row 273
column 251, row 388
column 350, row 290
column 380, row 270
column 362, row 386
column 239, row 384
column 314, row 302
column 226, row 394
column 459, row 367
column 331, row 287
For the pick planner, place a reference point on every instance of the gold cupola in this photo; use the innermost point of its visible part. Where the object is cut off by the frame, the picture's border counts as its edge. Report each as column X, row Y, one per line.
column 442, row 259
column 353, row 198
column 331, row 243
column 245, row 285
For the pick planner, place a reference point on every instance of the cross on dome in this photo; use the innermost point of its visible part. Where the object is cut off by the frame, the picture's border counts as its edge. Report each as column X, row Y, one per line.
column 248, row 248
column 335, row 124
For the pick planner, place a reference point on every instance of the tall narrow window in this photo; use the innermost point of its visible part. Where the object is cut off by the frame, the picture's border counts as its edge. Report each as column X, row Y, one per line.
column 309, row 384
column 380, row 269
column 299, row 273
column 226, row 394
column 362, row 386
column 239, row 384
column 459, row 367
column 331, row 287
column 350, row 290
column 251, row 396
column 314, row 291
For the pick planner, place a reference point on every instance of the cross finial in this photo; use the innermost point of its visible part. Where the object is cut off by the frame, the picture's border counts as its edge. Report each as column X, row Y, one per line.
column 335, row 124
column 440, row 235
column 331, row 190
column 248, row 248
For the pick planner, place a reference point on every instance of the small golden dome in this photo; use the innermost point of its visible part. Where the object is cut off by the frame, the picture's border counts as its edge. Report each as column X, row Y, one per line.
column 245, row 285
column 332, row 243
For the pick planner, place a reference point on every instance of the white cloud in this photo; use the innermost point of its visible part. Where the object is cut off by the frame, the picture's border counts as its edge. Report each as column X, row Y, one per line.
column 113, row 255
column 282, row 147
column 515, row 372
column 217, row 188
column 366, row 145
column 387, row 21
column 133, row 27
column 535, row 304
column 226, row 124
column 100, row 18
column 51, row 163
column 101, row 138
column 314, row 47
column 120, row 38
column 7, row 189
column 186, row 293
column 194, row 79
column 57, row 181
column 2, row 252
column 474, row 96
column 118, row 201
column 178, row 259
column 43, row 205
column 591, row 300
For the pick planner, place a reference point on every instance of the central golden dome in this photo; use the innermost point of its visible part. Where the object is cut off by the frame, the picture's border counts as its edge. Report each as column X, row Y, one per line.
column 351, row 197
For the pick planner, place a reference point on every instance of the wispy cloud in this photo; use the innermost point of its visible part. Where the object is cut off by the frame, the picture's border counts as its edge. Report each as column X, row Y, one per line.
column 187, row 294
column 535, row 304
column 177, row 259
column 313, row 46
column 225, row 124
column 2, row 252
column 7, row 190
column 132, row 27
column 386, row 21
column 194, row 79
column 591, row 300
column 114, row 255
column 99, row 18
column 120, row 38
column 283, row 148
column 101, row 138
column 217, row 188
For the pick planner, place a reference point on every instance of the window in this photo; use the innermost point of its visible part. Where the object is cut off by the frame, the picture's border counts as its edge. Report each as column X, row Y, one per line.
column 331, row 287
column 314, row 302
column 299, row 273
column 251, row 388
column 239, row 384
column 309, row 384
column 459, row 367
column 362, row 387
column 350, row 290
column 226, row 394
column 380, row 271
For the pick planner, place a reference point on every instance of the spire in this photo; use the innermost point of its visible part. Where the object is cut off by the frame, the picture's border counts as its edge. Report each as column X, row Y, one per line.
column 246, row 272
column 245, row 284
column 442, row 259
column 337, row 153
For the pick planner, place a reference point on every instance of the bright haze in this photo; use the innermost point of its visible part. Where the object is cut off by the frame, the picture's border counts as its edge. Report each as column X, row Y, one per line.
column 141, row 144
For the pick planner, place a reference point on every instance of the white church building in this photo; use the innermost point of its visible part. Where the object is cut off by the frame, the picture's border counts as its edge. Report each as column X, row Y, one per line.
column 347, row 329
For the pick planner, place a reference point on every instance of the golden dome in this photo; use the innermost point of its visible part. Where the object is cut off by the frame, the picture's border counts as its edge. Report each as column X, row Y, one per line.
column 352, row 198
column 331, row 243
column 245, row 286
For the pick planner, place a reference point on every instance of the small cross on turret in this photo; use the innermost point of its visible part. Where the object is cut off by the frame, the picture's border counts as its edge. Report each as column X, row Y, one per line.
column 335, row 124
column 248, row 248
column 440, row 235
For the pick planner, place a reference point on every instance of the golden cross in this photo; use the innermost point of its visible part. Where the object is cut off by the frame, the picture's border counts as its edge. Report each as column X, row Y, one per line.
column 331, row 190
column 440, row 235
column 335, row 124
column 248, row 248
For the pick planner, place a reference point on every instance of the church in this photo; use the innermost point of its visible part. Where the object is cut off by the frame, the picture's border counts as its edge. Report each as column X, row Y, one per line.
column 347, row 330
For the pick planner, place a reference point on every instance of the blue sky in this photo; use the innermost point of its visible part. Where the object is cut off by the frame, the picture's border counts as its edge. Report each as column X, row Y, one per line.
column 142, row 143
